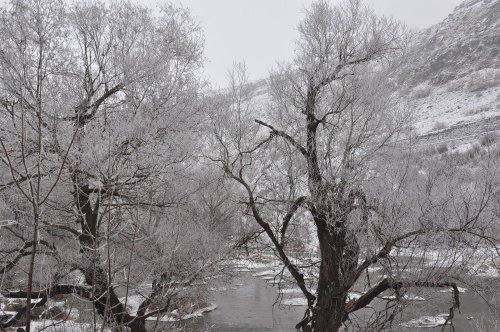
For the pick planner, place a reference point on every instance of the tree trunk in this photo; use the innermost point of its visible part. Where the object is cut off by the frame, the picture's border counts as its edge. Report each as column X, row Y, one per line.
column 329, row 311
column 107, row 303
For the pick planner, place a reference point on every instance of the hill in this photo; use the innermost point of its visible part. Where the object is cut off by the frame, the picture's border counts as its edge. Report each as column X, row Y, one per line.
column 450, row 76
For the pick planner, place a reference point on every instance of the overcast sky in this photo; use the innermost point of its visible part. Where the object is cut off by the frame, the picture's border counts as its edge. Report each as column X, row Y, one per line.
column 261, row 32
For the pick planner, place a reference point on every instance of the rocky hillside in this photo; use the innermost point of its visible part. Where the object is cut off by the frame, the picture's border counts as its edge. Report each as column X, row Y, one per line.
column 450, row 76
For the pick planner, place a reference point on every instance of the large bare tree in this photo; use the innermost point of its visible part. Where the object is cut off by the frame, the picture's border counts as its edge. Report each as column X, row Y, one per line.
column 330, row 142
column 99, row 111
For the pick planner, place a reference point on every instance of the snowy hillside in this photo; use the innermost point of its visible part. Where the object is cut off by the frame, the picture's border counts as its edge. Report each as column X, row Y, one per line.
column 450, row 76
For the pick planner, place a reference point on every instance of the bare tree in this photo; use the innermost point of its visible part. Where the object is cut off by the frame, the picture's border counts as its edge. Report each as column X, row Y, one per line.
column 99, row 115
column 324, row 144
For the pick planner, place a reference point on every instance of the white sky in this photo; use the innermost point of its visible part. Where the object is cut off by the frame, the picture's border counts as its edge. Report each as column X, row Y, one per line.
column 261, row 32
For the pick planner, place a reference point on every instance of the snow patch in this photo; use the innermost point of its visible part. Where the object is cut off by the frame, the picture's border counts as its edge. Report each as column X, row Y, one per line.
column 426, row 321
column 353, row 296
column 407, row 297
column 450, row 290
column 133, row 303
column 299, row 301
column 264, row 273
column 290, row 291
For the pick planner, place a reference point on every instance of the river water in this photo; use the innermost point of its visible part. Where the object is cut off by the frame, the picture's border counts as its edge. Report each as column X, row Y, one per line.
column 250, row 303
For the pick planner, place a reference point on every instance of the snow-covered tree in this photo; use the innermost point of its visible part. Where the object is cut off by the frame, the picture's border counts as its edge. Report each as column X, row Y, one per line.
column 98, row 130
column 328, row 150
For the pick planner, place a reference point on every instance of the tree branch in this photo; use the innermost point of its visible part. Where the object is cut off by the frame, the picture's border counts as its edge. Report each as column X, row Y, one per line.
column 387, row 283
column 293, row 269
column 287, row 137
column 286, row 220
column 22, row 253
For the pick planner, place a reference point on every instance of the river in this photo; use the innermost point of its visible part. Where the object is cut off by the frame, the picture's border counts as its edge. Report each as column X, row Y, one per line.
column 250, row 303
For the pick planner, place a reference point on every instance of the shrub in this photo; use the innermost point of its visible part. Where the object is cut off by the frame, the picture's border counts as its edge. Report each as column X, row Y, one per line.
column 421, row 91
column 488, row 139
column 474, row 151
column 479, row 110
column 442, row 148
column 483, row 79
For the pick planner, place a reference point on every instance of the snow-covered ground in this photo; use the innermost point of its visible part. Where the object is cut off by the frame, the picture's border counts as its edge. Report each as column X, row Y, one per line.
column 442, row 110
column 482, row 262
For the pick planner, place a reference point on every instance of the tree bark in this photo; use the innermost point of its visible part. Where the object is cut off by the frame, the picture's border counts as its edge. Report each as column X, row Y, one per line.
column 337, row 259
column 329, row 310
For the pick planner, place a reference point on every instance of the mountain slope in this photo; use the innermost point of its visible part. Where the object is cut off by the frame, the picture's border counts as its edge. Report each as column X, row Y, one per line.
column 450, row 76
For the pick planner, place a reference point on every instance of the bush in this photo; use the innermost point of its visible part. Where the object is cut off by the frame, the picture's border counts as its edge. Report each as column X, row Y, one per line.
column 474, row 151
column 442, row 148
column 479, row 110
column 421, row 91
column 488, row 139
column 483, row 79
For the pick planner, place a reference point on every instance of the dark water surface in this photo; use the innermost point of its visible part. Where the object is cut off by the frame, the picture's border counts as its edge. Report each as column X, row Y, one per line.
column 251, row 305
